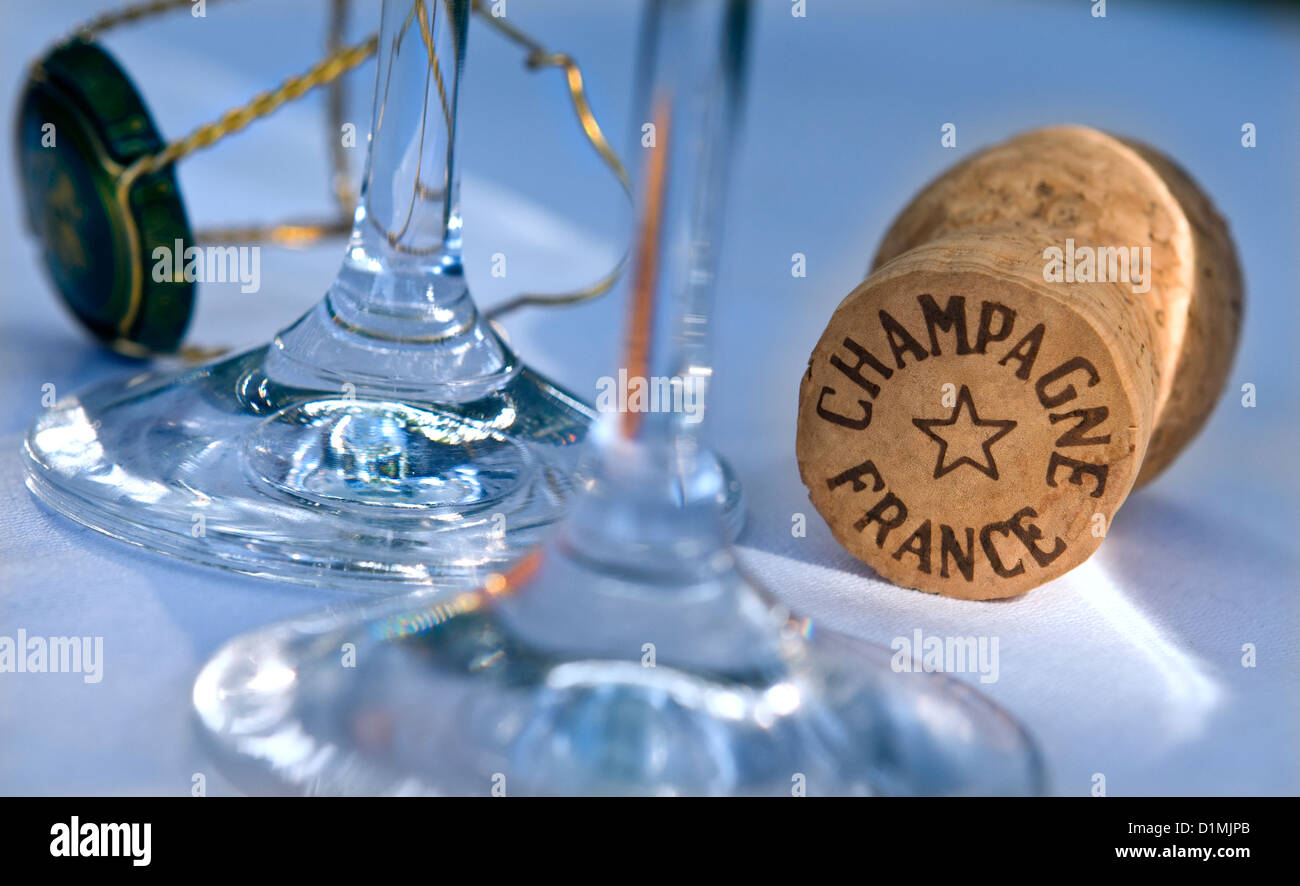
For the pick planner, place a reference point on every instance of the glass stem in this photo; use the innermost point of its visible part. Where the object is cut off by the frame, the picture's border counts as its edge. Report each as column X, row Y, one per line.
column 399, row 319
column 646, row 454
column 408, row 225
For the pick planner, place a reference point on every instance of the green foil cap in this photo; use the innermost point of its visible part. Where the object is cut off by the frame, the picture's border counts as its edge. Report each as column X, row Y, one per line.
column 97, row 232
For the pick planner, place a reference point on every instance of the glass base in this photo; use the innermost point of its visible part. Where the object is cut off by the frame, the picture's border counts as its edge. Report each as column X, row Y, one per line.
column 589, row 683
column 222, row 466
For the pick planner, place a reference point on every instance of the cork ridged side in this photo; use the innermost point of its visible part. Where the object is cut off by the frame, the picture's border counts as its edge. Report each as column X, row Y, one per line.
column 1213, row 326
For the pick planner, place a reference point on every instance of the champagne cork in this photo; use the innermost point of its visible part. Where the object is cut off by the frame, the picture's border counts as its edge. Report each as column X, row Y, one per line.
column 1045, row 326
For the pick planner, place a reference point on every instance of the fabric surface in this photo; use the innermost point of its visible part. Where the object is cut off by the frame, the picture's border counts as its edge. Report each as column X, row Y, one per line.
column 1130, row 666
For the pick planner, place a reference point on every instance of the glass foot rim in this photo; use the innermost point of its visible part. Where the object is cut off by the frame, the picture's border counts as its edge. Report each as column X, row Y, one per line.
column 240, row 738
column 273, row 562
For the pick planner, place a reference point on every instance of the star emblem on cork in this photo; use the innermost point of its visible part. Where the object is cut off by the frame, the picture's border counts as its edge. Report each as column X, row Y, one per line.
column 967, row 434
